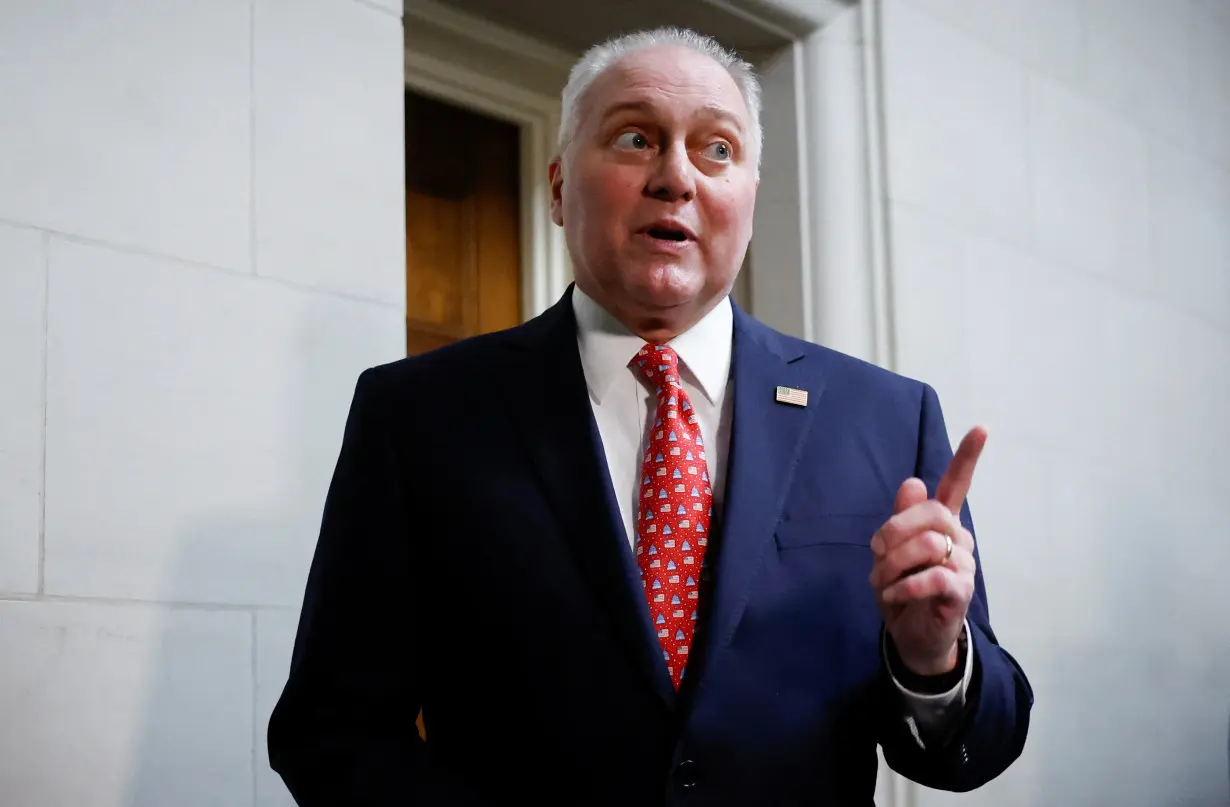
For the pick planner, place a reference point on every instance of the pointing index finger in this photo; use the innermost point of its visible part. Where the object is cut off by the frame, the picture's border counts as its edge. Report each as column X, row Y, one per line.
column 955, row 484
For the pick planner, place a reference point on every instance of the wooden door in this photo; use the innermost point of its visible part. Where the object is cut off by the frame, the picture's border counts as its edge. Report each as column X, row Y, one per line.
column 463, row 250
column 463, row 230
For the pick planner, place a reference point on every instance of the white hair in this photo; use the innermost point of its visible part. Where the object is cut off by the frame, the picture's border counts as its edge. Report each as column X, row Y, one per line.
column 598, row 58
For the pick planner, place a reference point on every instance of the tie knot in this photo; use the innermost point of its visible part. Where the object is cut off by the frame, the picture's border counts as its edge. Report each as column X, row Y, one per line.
column 658, row 364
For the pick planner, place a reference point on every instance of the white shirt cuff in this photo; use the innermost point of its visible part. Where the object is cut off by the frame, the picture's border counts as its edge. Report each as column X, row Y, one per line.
column 935, row 712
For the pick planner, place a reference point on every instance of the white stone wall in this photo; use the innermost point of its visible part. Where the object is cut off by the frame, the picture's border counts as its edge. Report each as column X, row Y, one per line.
column 1059, row 173
column 201, row 246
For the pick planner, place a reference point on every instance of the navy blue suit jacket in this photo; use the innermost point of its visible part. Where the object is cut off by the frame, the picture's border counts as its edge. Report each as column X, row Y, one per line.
column 472, row 563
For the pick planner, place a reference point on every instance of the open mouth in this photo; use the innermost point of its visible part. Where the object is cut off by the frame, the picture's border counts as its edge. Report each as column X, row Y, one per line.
column 666, row 234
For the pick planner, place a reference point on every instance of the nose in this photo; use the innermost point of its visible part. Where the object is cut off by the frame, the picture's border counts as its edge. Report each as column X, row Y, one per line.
column 672, row 179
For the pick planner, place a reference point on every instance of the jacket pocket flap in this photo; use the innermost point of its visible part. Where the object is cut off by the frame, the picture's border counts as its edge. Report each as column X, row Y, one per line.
column 851, row 530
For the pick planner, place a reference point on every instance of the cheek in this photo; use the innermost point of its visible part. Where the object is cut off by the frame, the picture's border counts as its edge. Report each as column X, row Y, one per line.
column 604, row 199
column 731, row 215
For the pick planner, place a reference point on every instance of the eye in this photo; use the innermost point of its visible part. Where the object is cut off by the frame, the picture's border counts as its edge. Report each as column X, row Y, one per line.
column 719, row 151
column 632, row 140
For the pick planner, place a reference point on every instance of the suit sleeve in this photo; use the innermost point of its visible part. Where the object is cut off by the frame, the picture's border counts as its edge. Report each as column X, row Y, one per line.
column 343, row 731
column 991, row 731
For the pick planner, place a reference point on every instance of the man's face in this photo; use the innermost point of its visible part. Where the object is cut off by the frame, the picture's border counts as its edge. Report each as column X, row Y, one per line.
column 656, row 190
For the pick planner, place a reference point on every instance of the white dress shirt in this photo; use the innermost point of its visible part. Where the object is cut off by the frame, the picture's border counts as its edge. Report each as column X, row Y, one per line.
column 624, row 404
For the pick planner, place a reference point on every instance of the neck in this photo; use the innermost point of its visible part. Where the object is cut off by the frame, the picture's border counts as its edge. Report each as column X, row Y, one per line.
column 655, row 327
column 658, row 329
column 656, row 334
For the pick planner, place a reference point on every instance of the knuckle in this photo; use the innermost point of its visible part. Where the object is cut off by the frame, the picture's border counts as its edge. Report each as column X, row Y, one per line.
column 967, row 589
column 885, row 534
column 931, row 547
column 937, row 511
column 936, row 542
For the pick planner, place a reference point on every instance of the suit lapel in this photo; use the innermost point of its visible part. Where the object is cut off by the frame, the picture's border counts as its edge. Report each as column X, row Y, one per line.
column 551, row 406
column 767, row 439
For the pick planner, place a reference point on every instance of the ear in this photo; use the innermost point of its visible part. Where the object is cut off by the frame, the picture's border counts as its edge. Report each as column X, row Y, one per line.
column 555, row 175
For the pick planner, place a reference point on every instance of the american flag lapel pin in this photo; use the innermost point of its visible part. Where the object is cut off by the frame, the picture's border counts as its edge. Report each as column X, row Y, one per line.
column 792, row 396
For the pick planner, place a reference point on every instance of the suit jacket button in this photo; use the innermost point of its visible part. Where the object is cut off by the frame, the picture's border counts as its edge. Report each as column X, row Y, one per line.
column 685, row 773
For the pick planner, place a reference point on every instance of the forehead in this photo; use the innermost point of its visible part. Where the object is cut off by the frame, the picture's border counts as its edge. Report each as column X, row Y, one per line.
column 668, row 79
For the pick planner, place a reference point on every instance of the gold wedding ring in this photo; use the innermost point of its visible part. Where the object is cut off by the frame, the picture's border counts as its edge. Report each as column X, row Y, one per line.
column 948, row 548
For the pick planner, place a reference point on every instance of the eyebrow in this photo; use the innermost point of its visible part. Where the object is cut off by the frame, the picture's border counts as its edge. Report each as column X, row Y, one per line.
column 713, row 111
column 723, row 114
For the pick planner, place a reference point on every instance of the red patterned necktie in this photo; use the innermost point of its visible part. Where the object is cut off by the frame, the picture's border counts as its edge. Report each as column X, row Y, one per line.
column 676, row 506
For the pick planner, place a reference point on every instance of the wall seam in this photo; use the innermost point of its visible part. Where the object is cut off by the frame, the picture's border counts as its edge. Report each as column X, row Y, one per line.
column 42, row 515
column 179, row 605
column 377, row 7
column 200, row 265
column 256, row 729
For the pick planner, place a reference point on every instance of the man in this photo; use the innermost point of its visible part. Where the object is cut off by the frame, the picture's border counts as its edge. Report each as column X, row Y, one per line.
column 645, row 550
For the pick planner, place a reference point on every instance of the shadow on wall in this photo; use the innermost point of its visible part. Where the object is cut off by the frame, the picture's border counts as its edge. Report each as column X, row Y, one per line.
column 208, row 705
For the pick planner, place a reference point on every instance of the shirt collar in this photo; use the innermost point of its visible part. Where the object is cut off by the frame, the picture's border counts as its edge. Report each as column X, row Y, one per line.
column 606, row 347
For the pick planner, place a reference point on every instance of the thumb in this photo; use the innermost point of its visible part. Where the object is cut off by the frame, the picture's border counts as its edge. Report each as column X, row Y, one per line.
column 911, row 492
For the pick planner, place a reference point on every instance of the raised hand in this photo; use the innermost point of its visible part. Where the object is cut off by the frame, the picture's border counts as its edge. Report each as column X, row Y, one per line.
column 923, row 572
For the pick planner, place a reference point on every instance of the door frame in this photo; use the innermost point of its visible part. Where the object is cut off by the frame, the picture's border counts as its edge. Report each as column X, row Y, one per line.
column 545, row 269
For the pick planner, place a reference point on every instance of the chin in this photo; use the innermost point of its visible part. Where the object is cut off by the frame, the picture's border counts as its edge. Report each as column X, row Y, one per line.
column 667, row 286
